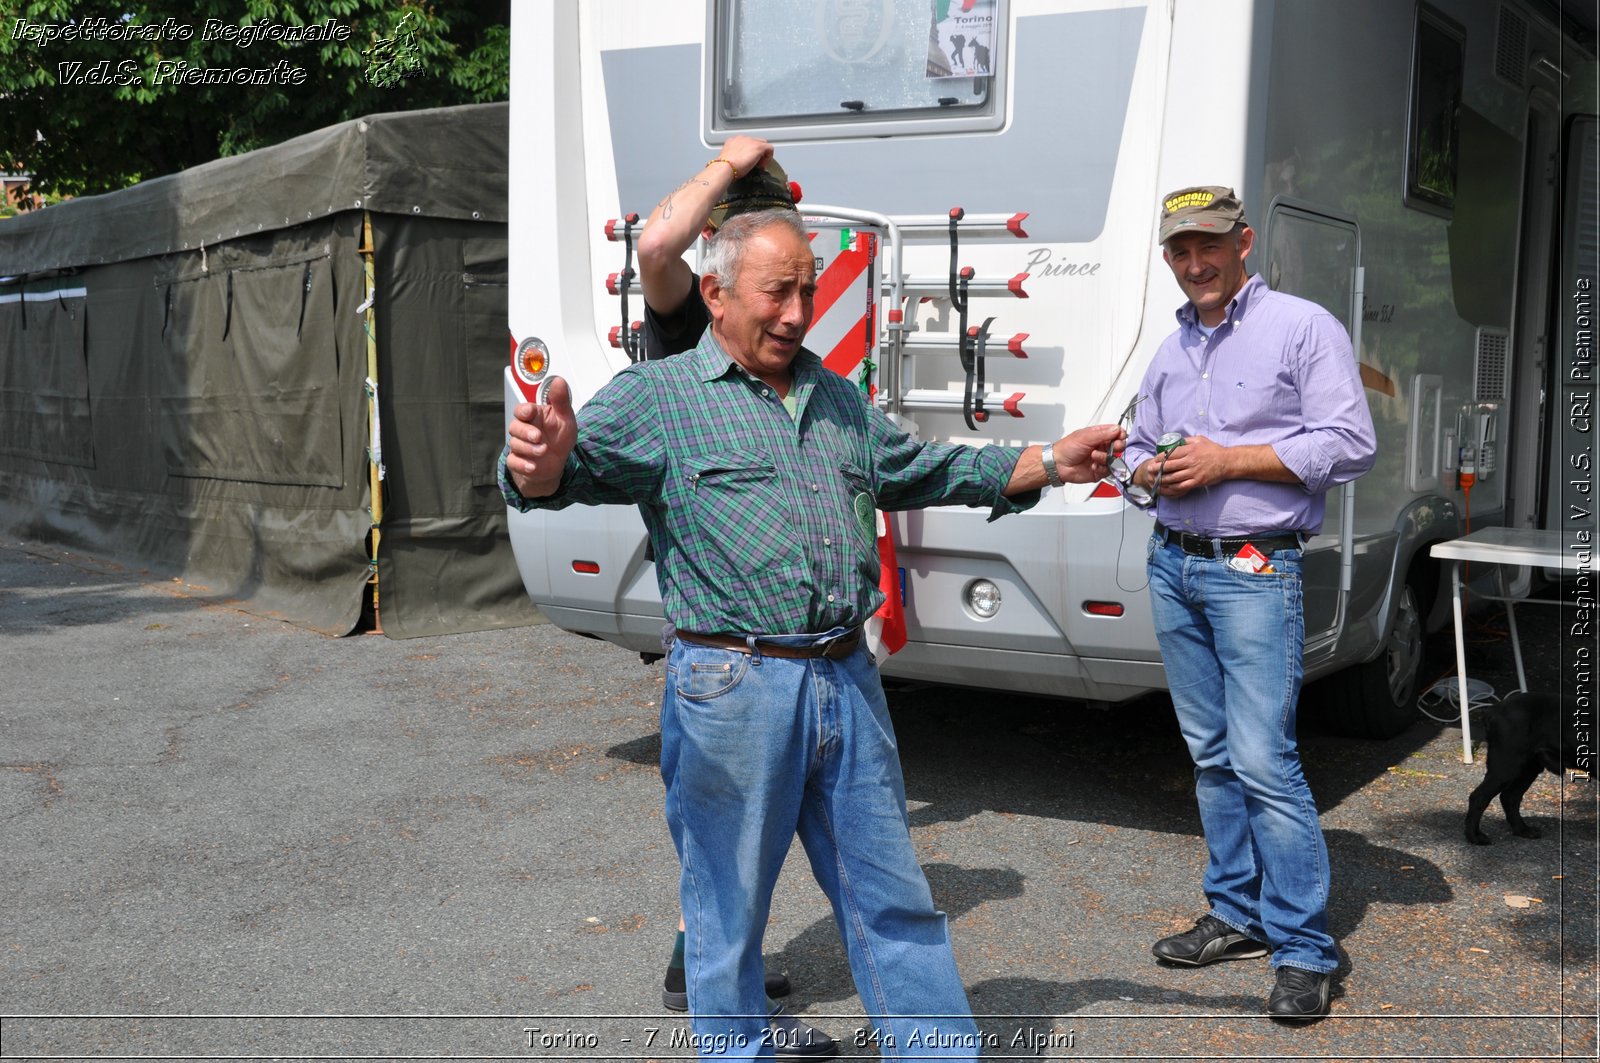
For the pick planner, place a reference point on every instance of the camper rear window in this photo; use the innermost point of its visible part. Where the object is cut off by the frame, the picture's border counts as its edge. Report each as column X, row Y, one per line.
column 834, row 68
column 1434, row 149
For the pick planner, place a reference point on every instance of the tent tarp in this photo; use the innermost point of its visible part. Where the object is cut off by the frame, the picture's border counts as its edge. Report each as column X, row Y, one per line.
column 448, row 162
column 205, row 410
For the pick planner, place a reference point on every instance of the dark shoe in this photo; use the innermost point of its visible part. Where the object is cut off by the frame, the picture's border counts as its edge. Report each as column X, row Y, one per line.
column 777, row 986
column 793, row 1039
column 1211, row 940
column 1299, row 995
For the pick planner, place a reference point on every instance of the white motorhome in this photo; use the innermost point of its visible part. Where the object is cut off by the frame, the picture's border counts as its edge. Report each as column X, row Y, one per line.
column 1427, row 171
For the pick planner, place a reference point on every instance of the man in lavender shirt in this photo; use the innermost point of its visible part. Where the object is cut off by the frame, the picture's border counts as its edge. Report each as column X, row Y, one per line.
column 1264, row 390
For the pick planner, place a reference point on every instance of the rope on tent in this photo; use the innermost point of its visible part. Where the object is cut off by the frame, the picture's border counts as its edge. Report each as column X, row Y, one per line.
column 375, row 469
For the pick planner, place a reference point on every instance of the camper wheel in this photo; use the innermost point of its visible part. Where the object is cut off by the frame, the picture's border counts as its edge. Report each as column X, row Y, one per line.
column 1378, row 699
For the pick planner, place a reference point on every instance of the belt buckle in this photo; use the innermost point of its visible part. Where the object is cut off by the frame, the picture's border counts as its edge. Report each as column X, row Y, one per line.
column 833, row 648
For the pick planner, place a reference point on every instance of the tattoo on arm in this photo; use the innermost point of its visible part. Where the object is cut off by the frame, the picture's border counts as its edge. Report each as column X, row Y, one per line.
column 666, row 205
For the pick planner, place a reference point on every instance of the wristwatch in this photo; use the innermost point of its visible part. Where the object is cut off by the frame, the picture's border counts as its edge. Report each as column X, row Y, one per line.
column 1047, row 458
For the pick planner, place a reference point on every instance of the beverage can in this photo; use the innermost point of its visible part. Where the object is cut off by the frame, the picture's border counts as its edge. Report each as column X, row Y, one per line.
column 1169, row 442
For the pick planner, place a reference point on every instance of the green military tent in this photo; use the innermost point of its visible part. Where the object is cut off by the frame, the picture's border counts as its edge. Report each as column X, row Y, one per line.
column 276, row 375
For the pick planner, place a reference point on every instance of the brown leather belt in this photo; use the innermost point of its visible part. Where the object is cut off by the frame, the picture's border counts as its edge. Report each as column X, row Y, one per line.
column 1206, row 545
column 835, row 649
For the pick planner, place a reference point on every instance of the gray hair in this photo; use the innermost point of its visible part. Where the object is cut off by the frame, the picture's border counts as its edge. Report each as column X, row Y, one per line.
column 723, row 257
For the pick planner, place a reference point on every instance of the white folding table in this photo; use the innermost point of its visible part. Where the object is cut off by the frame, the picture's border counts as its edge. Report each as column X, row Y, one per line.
column 1502, row 547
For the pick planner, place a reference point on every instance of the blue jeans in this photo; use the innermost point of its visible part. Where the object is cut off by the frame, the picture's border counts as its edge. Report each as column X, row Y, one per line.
column 754, row 749
column 1232, row 643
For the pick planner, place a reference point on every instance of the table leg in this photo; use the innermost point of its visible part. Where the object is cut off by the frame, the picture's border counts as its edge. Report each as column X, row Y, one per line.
column 1461, row 663
column 1516, row 646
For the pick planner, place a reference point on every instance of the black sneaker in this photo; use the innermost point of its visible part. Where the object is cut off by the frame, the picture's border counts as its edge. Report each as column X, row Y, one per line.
column 677, row 1000
column 1299, row 995
column 1211, row 940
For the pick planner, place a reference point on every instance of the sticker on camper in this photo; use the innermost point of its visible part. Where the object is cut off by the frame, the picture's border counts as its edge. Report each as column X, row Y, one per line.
column 964, row 34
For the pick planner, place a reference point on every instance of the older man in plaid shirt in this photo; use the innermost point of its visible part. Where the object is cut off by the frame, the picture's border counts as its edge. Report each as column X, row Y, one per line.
column 757, row 472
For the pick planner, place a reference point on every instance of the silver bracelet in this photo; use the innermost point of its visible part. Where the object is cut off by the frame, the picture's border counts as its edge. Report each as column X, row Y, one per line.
column 1047, row 458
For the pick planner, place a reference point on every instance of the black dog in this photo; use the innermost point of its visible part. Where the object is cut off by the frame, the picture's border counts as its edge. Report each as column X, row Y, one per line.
column 1528, row 733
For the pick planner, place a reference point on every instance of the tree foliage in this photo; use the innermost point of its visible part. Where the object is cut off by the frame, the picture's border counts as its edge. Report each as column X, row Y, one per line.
column 97, row 95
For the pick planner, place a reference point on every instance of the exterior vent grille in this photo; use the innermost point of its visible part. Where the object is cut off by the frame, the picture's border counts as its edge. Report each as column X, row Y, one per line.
column 1587, row 242
column 1490, row 375
column 1511, row 48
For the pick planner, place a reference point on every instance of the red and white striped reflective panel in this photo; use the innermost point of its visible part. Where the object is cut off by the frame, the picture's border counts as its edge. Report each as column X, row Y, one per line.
column 844, row 331
column 844, row 324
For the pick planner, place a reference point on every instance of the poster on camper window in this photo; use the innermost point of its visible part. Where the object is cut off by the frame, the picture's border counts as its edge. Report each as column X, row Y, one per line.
column 958, row 46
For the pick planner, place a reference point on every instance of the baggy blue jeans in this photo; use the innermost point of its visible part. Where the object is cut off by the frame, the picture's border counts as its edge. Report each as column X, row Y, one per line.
column 1233, row 643
column 754, row 749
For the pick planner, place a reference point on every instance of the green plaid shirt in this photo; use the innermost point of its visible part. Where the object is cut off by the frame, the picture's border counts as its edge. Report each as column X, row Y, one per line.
column 762, row 523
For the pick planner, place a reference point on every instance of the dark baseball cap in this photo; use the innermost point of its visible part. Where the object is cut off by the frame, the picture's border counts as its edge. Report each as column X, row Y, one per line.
column 1203, row 208
column 764, row 188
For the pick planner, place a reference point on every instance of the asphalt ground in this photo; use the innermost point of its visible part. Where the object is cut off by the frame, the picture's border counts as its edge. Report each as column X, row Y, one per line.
column 226, row 837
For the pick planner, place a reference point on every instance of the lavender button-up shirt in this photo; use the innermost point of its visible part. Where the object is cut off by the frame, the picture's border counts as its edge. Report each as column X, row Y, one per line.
column 1279, row 370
